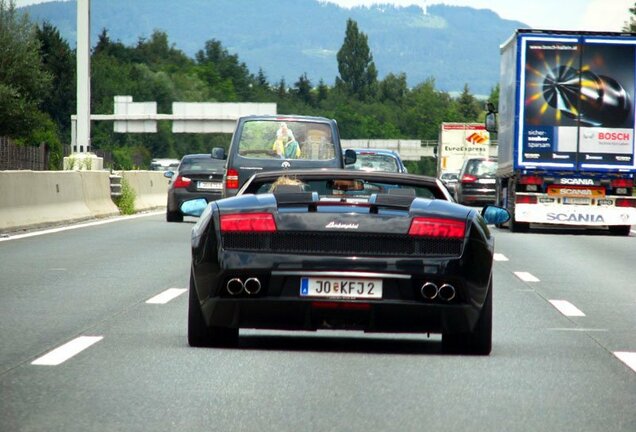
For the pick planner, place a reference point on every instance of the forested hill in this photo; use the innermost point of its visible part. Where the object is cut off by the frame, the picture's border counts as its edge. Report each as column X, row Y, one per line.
column 286, row 38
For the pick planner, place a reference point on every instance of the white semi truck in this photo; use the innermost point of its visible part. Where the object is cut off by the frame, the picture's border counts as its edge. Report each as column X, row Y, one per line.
column 566, row 121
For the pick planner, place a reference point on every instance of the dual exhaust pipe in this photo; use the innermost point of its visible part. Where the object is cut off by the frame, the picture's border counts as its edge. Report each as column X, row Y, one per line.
column 236, row 286
column 430, row 291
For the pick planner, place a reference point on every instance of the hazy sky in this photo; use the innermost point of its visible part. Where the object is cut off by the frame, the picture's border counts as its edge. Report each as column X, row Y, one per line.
column 601, row 15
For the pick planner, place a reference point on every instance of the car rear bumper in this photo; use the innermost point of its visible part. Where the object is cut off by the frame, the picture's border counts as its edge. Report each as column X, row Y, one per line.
column 315, row 314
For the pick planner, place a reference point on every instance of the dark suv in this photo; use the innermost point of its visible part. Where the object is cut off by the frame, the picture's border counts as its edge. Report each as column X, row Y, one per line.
column 477, row 182
column 275, row 142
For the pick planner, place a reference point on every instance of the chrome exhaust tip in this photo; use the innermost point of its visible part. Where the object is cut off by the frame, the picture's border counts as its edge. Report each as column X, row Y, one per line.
column 252, row 285
column 429, row 291
column 234, row 286
column 447, row 292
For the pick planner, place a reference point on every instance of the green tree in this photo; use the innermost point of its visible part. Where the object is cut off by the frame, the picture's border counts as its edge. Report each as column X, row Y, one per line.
column 630, row 25
column 225, row 70
column 59, row 61
column 358, row 74
column 23, row 80
column 302, row 89
column 467, row 106
column 393, row 88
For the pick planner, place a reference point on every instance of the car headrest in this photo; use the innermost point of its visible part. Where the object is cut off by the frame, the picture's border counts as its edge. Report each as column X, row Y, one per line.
column 284, row 189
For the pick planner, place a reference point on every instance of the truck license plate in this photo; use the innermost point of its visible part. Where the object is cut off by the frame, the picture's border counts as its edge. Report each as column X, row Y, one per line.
column 575, row 200
column 354, row 288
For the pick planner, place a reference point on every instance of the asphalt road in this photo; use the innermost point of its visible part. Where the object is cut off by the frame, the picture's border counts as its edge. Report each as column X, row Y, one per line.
column 564, row 368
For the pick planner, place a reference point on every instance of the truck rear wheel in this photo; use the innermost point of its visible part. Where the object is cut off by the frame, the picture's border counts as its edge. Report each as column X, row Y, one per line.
column 513, row 224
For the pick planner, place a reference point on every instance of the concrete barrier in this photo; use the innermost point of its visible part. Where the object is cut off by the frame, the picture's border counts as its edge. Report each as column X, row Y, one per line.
column 35, row 199
column 32, row 199
column 151, row 188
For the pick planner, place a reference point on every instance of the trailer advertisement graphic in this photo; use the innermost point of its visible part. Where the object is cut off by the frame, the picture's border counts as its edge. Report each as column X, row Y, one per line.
column 578, row 107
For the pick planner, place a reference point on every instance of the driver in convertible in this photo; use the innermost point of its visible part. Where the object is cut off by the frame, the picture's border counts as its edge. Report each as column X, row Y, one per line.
column 286, row 145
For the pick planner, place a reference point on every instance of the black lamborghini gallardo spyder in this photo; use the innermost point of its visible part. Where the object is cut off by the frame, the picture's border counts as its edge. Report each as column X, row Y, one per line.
column 339, row 249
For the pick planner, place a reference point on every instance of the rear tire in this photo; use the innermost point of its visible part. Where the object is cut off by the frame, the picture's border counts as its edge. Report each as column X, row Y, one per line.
column 517, row 227
column 174, row 216
column 199, row 334
column 477, row 342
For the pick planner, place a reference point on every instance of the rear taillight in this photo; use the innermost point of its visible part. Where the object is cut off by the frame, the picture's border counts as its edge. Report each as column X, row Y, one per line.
column 622, row 183
column 468, row 178
column 622, row 202
column 437, row 227
column 526, row 199
column 232, row 179
column 531, row 180
column 248, row 222
column 182, row 182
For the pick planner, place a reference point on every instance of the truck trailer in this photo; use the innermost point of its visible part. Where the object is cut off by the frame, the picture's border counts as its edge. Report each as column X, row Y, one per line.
column 565, row 129
column 459, row 141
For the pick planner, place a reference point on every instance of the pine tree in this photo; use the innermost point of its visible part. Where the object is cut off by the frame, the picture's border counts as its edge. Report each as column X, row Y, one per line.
column 358, row 74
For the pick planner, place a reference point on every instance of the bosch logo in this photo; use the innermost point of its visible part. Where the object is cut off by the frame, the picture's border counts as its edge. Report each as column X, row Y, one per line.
column 614, row 136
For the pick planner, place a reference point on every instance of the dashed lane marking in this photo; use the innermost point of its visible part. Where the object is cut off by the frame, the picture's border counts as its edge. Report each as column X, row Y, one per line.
column 526, row 277
column 166, row 296
column 500, row 257
column 567, row 308
column 62, row 353
column 629, row 358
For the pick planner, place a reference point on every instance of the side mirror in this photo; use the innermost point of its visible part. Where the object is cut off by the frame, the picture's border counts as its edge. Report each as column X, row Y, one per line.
column 491, row 122
column 494, row 215
column 491, row 118
column 168, row 174
column 218, row 153
column 350, row 157
column 194, row 207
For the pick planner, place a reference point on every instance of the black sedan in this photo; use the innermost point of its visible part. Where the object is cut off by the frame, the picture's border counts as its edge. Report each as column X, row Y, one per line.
column 340, row 249
column 198, row 176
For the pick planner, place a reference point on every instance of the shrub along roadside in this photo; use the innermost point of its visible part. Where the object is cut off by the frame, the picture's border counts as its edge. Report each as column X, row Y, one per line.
column 126, row 201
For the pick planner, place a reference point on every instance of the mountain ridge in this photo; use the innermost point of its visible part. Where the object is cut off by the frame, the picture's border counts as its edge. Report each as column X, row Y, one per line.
column 285, row 38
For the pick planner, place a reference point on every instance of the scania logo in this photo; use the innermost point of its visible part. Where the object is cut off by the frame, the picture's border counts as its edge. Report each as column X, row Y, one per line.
column 338, row 225
column 575, row 181
column 285, row 165
column 573, row 217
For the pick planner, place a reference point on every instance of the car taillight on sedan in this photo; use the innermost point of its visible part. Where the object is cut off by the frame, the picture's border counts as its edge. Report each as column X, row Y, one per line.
column 437, row 227
column 248, row 222
column 232, row 179
column 182, row 182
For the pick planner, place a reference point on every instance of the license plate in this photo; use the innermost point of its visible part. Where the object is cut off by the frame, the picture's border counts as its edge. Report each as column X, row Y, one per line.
column 209, row 185
column 487, row 181
column 574, row 200
column 354, row 288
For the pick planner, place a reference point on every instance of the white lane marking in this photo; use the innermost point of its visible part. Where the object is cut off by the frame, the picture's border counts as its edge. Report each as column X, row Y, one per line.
column 526, row 277
column 566, row 308
column 62, row 353
column 629, row 358
column 8, row 237
column 166, row 296
column 500, row 257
